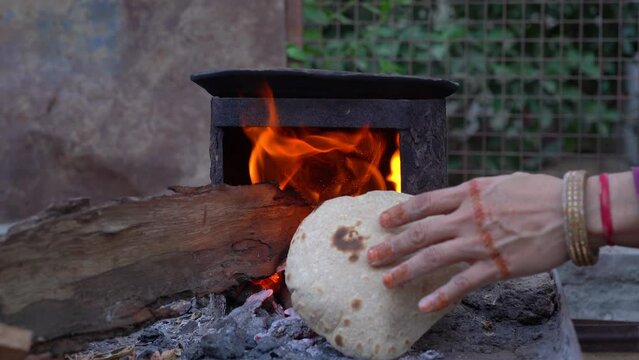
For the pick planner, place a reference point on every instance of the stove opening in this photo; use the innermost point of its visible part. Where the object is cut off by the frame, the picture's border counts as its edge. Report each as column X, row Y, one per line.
column 318, row 163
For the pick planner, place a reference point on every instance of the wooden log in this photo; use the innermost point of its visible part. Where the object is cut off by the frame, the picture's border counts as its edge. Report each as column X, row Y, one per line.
column 80, row 270
column 15, row 342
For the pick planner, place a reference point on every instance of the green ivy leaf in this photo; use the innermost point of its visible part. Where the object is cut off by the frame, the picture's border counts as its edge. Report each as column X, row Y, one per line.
column 387, row 31
column 530, row 72
column 550, row 86
column 413, row 32
column 387, row 49
column 552, row 147
column 437, row 51
column 387, row 66
column 342, row 19
column 385, row 8
column 588, row 66
column 315, row 15
column 502, row 70
column 312, row 34
column 296, row 53
column 571, row 92
column 362, row 65
column 499, row 35
column 603, row 128
column 545, row 118
column 373, row 9
column 454, row 31
column 500, row 120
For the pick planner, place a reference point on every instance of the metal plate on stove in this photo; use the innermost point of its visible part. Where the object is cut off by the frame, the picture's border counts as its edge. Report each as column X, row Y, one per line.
column 321, row 84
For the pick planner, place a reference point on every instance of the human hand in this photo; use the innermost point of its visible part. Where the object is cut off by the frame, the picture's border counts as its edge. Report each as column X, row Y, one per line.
column 505, row 226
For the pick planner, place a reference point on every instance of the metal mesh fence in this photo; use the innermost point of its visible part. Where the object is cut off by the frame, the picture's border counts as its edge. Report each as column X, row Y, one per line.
column 545, row 86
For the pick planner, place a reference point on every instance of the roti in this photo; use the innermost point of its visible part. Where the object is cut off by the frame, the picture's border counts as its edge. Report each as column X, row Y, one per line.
column 343, row 298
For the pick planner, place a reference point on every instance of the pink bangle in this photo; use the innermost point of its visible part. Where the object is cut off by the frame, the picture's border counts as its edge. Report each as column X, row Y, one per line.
column 604, row 203
column 635, row 175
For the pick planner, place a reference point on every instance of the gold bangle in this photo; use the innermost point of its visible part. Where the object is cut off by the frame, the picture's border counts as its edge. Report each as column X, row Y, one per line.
column 579, row 249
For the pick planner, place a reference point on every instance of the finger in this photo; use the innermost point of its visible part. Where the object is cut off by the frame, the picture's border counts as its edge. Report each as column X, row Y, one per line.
column 478, row 275
column 427, row 260
column 429, row 203
column 422, row 233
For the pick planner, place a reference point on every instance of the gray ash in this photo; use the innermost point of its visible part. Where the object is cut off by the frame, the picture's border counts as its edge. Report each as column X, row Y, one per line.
column 520, row 319
column 250, row 331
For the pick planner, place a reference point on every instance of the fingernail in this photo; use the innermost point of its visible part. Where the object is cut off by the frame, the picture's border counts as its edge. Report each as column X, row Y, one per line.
column 433, row 302
column 378, row 253
column 384, row 219
column 396, row 276
column 388, row 279
column 426, row 304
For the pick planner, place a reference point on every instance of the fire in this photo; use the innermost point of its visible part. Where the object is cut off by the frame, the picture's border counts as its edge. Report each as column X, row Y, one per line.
column 271, row 282
column 395, row 176
column 319, row 164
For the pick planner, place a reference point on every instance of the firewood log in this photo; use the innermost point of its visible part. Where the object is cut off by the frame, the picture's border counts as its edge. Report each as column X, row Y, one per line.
column 15, row 342
column 85, row 271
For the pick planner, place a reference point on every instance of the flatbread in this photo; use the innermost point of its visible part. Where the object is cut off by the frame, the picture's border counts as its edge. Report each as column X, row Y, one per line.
column 340, row 296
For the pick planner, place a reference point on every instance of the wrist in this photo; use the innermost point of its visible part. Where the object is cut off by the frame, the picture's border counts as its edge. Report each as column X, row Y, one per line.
column 624, row 208
column 593, row 212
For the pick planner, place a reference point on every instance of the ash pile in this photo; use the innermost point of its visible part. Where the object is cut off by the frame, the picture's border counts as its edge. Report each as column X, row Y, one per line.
column 259, row 329
column 516, row 319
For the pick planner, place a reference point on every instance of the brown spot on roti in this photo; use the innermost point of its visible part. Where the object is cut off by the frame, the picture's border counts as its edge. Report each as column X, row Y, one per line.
column 347, row 239
column 339, row 340
column 359, row 347
column 356, row 304
column 346, row 322
column 407, row 342
column 288, row 276
column 392, row 350
column 376, row 349
column 303, row 236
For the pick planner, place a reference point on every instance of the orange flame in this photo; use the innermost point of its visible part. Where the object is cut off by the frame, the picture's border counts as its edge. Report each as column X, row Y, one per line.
column 271, row 282
column 395, row 176
column 319, row 164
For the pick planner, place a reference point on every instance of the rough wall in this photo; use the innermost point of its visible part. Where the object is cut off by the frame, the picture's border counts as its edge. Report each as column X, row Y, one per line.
column 95, row 96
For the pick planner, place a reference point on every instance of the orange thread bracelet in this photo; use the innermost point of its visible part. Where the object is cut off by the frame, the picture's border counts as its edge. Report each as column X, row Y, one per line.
column 604, row 203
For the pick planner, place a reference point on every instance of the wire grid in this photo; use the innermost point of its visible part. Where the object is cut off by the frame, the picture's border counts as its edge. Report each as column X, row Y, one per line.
column 544, row 85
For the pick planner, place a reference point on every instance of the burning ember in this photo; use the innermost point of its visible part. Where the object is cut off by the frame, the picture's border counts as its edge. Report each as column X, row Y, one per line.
column 272, row 282
column 319, row 164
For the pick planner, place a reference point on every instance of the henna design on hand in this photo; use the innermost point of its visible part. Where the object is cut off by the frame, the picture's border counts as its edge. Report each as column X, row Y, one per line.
column 486, row 237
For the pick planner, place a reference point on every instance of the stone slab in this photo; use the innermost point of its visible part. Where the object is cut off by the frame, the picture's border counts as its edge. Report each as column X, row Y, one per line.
column 522, row 318
column 607, row 291
column 97, row 99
